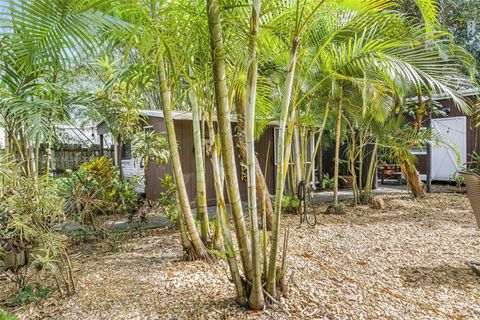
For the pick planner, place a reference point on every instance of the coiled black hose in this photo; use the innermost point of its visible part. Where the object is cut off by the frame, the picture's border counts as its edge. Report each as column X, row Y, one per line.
column 302, row 197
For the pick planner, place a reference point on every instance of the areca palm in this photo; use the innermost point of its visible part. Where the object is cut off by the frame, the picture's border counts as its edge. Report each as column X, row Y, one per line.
column 39, row 39
column 362, row 49
column 275, row 53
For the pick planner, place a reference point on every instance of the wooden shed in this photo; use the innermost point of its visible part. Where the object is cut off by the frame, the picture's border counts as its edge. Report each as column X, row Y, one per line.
column 265, row 148
column 459, row 135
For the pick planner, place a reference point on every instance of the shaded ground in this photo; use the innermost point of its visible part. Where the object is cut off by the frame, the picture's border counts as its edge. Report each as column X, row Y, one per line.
column 405, row 262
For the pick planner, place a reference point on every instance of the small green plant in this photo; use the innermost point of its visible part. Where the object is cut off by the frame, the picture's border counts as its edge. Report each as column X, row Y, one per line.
column 6, row 316
column 474, row 164
column 168, row 199
column 31, row 294
column 327, row 182
column 290, row 203
column 457, row 177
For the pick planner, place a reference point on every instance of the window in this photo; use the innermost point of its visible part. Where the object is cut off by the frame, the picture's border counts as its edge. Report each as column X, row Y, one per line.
column 127, row 151
column 148, row 128
column 419, row 150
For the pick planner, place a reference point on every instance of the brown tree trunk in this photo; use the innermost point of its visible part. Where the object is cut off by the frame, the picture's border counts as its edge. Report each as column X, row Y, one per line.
column 336, row 175
column 413, row 179
column 409, row 171
column 263, row 194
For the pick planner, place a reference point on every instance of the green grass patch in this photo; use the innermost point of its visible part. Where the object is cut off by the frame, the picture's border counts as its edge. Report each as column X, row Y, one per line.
column 6, row 316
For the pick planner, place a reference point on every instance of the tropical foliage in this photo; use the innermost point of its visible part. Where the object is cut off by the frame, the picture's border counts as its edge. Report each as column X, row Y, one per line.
column 340, row 71
column 96, row 189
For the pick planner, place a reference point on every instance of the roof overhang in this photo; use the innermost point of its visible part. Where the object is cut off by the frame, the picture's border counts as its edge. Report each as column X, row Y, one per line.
column 443, row 96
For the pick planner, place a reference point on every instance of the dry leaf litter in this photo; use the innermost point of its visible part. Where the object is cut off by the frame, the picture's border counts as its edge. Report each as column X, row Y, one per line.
column 406, row 261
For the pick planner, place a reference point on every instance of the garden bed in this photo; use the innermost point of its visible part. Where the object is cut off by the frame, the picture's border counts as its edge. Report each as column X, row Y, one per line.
column 407, row 261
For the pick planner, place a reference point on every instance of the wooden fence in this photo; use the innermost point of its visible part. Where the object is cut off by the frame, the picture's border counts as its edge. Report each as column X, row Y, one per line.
column 71, row 156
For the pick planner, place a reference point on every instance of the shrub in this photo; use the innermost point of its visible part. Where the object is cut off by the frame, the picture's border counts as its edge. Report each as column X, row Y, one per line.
column 95, row 189
column 290, row 203
column 168, row 199
column 29, row 210
column 327, row 182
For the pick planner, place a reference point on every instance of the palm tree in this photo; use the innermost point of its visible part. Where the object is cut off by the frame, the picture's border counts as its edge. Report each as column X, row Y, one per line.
column 201, row 189
column 225, row 132
column 256, row 300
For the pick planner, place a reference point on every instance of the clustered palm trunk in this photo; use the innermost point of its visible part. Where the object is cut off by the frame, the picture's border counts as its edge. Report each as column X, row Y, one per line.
column 184, row 203
column 201, row 188
column 262, row 192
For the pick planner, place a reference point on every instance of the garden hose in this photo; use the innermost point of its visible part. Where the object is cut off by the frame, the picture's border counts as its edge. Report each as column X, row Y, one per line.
column 302, row 197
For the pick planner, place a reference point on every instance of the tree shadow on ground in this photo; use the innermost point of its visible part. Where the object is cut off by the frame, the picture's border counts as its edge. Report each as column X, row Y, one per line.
column 444, row 275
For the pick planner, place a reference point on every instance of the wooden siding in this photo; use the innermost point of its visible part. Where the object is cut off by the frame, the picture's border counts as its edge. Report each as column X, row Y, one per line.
column 473, row 134
column 184, row 133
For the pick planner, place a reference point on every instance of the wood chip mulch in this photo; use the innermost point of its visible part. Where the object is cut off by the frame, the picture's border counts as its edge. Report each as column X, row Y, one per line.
column 404, row 262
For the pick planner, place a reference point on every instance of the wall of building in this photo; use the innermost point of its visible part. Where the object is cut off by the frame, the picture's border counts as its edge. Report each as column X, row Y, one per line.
column 473, row 134
column 184, row 132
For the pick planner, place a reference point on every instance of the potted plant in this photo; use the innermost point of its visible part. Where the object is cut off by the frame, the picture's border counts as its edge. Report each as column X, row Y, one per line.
column 345, row 180
column 471, row 178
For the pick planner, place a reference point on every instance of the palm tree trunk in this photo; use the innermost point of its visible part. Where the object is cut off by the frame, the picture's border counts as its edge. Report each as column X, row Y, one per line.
column 201, row 188
column 263, row 195
column 223, row 222
column 409, row 171
column 318, row 143
column 413, row 178
column 177, row 165
column 186, row 243
column 225, row 130
column 281, row 169
column 367, row 197
column 337, row 153
column 298, row 157
column 256, row 300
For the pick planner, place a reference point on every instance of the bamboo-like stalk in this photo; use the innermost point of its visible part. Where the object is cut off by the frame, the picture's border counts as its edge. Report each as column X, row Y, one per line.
column 360, row 163
column 201, row 189
column 256, row 300
column 198, row 245
column 281, row 169
column 351, row 161
column 225, row 132
column 217, row 234
column 337, row 153
column 298, row 157
column 263, row 195
column 371, row 172
column 186, row 243
column 223, row 220
column 318, row 143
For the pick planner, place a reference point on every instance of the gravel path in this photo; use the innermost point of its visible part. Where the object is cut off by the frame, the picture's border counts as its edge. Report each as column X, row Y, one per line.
column 404, row 262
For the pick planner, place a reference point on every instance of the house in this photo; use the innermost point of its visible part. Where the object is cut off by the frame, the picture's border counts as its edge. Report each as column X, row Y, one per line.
column 265, row 148
column 460, row 138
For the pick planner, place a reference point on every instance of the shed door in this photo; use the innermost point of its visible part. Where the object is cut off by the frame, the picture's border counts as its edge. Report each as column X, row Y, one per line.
column 445, row 161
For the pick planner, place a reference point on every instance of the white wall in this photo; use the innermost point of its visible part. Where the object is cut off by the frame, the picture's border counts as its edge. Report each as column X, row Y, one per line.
column 132, row 168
